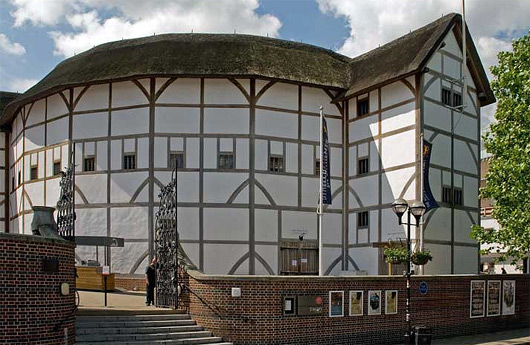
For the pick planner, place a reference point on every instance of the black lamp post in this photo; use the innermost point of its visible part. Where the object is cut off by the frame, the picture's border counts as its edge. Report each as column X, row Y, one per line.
column 417, row 209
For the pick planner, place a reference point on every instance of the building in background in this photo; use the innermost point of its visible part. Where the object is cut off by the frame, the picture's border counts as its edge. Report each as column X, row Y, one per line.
column 238, row 116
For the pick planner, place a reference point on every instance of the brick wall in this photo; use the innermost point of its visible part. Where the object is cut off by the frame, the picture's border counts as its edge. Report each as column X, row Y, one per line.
column 257, row 318
column 130, row 282
column 31, row 304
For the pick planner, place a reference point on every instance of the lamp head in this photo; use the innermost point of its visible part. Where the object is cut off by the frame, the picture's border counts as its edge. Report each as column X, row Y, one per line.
column 417, row 208
column 399, row 206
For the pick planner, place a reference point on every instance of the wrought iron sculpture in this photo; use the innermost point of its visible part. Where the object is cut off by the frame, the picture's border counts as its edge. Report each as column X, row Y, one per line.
column 166, row 244
column 66, row 205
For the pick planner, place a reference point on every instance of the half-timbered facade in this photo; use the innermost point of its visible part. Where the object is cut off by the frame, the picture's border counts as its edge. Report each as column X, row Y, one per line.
column 238, row 116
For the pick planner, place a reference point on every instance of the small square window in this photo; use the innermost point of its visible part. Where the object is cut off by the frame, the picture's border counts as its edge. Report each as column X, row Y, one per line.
column 276, row 163
column 363, row 166
column 226, row 160
column 89, row 164
column 56, row 168
column 34, row 173
column 457, row 196
column 129, row 161
column 363, row 106
column 362, row 219
column 446, row 97
column 176, row 160
column 446, row 195
column 457, row 99
column 317, row 167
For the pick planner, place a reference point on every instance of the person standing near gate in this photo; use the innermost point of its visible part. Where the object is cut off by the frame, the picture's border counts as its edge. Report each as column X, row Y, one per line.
column 150, row 281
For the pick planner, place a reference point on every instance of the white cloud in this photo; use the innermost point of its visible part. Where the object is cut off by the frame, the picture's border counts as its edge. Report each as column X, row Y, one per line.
column 91, row 23
column 21, row 85
column 9, row 47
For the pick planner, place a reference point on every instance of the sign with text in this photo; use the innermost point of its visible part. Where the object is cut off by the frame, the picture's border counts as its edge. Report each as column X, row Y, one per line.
column 477, row 298
column 106, row 270
column 309, row 305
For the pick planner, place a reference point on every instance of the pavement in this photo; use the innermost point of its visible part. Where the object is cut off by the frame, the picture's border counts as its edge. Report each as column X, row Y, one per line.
column 135, row 301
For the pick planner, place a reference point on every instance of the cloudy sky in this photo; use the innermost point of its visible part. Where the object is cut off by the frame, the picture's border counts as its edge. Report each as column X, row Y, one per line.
column 35, row 35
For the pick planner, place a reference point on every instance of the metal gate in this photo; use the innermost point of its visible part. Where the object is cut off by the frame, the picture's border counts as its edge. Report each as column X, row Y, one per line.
column 166, row 245
column 66, row 202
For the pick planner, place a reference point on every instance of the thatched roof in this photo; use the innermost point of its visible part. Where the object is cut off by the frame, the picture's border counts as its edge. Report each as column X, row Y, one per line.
column 408, row 55
column 233, row 55
column 6, row 98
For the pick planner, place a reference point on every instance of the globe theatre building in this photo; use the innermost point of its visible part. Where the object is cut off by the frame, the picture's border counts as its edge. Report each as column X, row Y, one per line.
column 239, row 116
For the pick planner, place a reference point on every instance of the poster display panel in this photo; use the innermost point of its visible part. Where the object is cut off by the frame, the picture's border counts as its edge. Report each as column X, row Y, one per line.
column 391, row 302
column 508, row 297
column 336, row 303
column 356, row 303
column 477, row 298
column 494, row 298
column 374, row 302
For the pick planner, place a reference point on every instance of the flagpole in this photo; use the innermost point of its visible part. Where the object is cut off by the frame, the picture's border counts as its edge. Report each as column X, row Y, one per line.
column 321, row 196
column 421, row 193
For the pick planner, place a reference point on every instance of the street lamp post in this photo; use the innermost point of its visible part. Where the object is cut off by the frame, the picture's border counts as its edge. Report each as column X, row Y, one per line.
column 417, row 209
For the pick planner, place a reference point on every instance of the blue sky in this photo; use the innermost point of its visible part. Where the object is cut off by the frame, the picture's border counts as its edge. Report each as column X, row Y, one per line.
column 35, row 35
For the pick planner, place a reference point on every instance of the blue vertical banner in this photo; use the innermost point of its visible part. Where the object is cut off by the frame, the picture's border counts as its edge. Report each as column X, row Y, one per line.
column 324, row 165
column 428, row 198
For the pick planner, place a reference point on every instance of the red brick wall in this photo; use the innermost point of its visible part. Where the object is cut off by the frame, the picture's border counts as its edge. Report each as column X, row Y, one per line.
column 256, row 317
column 130, row 282
column 31, row 304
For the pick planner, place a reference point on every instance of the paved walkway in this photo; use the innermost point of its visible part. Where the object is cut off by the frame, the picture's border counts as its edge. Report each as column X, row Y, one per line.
column 129, row 300
column 513, row 337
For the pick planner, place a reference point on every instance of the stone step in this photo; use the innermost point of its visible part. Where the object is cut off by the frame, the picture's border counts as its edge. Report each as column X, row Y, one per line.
column 138, row 330
column 139, row 317
column 143, row 337
column 132, row 324
column 190, row 341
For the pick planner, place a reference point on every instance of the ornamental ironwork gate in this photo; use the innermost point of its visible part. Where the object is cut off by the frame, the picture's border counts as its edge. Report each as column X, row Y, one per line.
column 166, row 245
column 66, row 203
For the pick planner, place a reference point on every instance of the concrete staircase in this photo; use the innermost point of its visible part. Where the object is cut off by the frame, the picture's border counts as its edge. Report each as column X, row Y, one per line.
column 141, row 327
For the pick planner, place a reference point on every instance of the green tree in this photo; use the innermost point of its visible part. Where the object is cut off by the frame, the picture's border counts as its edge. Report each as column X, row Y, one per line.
column 508, row 142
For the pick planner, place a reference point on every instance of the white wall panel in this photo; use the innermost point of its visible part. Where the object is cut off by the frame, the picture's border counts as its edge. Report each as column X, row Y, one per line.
column 94, row 188
column 52, row 192
column 334, row 131
column 34, row 138
column 466, row 126
column 210, row 153
column 374, row 100
column 188, row 186
column 270, row 255
column 91, row 222
column 332, row 228
column 313, row 98
column 283, row 189
column 226, row 224
column 182, row 90
column 366, row 189
column 394, row 182
column 439, row 226
column 310, row 188
column 441, row 150
column 37, row 113
column 56, row 106
column 399, row 117
column 466, row 260
column 261, row 159
column 115, row 153
column 336, row 162
column 395, row 93
column 266, row 225
column 218, row 187
column 437, row 116
column 308, row 160
column 399, row 149
column 230, row 254
column 364, row 128
column 441, row 259
column 90, row 125
column 177, row 120
column 470, row 191
column 306, row 221
column 101, row 156
column 435, row 63
column 130, row 121
column 310, row 128
column 96, row 97
column 161, row 154
column 57, row 131
column 280, row 95
column 142, row 160
column 463, row 159
column 463, row 226
column 129, row 222
column 123, row 185
column 366, row 259
column 451, row 67
column 192, row 153
column 276, row 124
column 226, row 120
column 127, row 93
column 222, row 91
column 188, row 223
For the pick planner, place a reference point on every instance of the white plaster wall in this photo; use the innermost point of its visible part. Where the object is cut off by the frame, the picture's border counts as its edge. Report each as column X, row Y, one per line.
column 293, row 220
column 463, row 224
column 439, row 226
column 313, row 98
column 435, row 63
column 463, row 158
column 130, row 121
column 129, row 222
column 269, row 253
column 226, row 224
column 332, row 228
column 394, row 183
column 95, row 97
column 123, row 185
column 56, row 106
column 283, row 189
column 266, row 225
column 182, row 91
column 90, row 126
column 226, row 120
column 441, row 150
column 230, row 254
column 395, row 93
column 280, row 95
column 57, row 131
column 188, row 223
column 390, row 229
column 366, row 259
column 366, row 189
column 177, row 120
column 465, row 126
column 37, row 113
column 126, row 94
column 91, row 222
column 399, row 149
column 124, row 258
column 399, row 117
column 466, row 260
column 441, row 259
column 437, row 116
column 94, row 188
column 363, row 128
column 218, row 187
column 34, row 138
column 222, row 91
column 277, row 124
column 433, row 90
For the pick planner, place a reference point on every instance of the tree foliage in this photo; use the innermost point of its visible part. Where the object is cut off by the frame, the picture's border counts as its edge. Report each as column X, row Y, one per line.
column 508, row 142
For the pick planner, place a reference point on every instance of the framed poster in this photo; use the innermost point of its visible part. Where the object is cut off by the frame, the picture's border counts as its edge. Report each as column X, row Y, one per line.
column 356, row 303
column 374, row 302
column 508, row 297
column 336, row 303
column 391, row 301
column 494, row 298
column 477, row 298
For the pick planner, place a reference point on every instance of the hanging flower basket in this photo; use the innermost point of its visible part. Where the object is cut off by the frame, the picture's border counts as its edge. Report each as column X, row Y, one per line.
column 421, row 257
column 395, row 255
